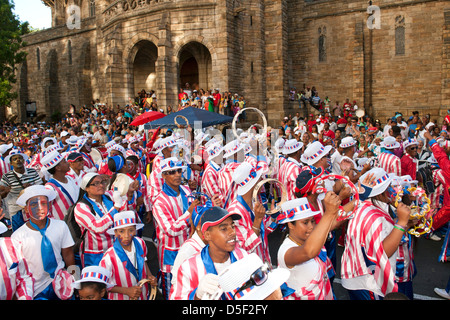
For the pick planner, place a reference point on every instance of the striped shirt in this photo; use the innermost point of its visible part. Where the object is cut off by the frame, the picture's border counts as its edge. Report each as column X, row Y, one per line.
column 16, row 181
column 288, row 174
column 121, row 276
column 228, row 189
column 247, row 239
column 154, row 182
column 96, row 240
column 309, row 279
column 210, row 180
column 66, row 196
column 390, row 163
column 16, row 280
column 191, row 272
column 364, row 264
column 172, row 227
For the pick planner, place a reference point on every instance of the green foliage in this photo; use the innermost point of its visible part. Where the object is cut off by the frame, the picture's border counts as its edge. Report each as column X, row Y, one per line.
column 11, row 55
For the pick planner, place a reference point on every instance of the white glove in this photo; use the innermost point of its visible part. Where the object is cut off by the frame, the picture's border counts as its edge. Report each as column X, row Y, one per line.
column 118, row 200
column 209, row 284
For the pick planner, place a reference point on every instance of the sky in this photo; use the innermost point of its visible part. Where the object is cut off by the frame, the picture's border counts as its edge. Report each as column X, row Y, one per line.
column 35, row 12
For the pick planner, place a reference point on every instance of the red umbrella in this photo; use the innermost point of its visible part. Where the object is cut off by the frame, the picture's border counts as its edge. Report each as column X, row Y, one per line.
column 147, row 117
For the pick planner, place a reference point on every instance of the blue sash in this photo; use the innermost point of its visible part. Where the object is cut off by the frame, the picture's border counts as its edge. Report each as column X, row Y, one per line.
column 47, row 253
column 108, row 204
column 172, row 193
column 124, row 258
column 55, row 182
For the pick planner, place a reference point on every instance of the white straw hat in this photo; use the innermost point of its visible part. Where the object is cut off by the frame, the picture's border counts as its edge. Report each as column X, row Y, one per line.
column 34, row 191
column 94, row 274
column 246, row 176
column 296, row 209
column 390, row 143
column 291, row 146
column 314, row 152
column 382, row 181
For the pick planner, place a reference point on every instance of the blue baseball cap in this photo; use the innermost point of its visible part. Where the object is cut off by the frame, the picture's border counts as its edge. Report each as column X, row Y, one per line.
column 215, row 215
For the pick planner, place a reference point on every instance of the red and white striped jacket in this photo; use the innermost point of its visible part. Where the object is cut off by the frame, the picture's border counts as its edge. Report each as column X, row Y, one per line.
column 247, row 239
column 16, row 280
column 210, row 180
column 439, row 185
column 409, row 166
column 390, row 163
column 64, row 199
column 89, row 164
column 228, row 189
column 4, row 168
column 364, row 240
column 96, row 240
column 121, row 276
column 172, row 227
column 154, row 182
column 288, row 173
column 191, row 272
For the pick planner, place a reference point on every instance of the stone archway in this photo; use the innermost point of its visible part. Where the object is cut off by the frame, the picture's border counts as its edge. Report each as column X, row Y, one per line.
column 143, row 66
column 195, row 66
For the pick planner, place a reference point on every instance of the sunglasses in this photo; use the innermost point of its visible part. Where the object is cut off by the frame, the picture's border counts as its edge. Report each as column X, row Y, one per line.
column 413, row 148
column 172, row 172
column 97, row 183
column 257, row 278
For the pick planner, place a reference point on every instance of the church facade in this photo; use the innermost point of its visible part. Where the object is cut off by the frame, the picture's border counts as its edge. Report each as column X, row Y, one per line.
column 394, row 56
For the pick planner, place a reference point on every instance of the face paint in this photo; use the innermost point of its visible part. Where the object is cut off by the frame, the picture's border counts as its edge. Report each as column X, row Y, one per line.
column 38, row 207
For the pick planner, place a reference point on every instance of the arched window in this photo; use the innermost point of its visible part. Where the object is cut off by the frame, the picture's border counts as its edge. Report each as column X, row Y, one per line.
column 38, row 58
column 91, row 8
column 69, row 51
column 399, row 35
column 322, row 44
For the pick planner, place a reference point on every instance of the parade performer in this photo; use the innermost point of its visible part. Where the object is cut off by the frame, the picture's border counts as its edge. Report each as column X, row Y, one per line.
column 126, row 259
column 46, row 243
column 387, row 160
column 171, row 211
column 292, row 167
column 234, row 155
column 94, row 213
column 373, row 236
column 66, row 189
column 18, row 282
column 409, row 159
column 210, row 177
column 303, row 251
column 198, row 275
column 253, row 229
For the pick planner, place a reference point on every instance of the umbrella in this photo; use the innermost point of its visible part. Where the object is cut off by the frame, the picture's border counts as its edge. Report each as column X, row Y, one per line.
column 192, row 114
column 147, row 117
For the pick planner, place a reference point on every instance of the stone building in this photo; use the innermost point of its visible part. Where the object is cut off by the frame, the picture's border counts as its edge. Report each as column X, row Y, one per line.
column 257, row 48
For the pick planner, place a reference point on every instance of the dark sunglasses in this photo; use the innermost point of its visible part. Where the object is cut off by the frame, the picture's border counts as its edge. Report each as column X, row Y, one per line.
column 256, row 279
column 413, row 148
column 171, row 172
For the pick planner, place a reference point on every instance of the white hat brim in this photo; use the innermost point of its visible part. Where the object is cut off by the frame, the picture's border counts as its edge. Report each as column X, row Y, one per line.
column 395, row 146
column 138, row 227
column 244, row 189
column 30, row 193
column 380, row 188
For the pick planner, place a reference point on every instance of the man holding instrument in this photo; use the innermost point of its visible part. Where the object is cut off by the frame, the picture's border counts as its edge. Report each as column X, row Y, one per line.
column 292, row 167
column 171, row 211
column 253, row 229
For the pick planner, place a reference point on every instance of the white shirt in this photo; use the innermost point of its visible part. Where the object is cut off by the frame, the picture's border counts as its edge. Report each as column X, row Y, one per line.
column 30, row 243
